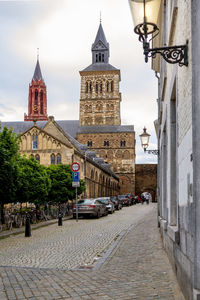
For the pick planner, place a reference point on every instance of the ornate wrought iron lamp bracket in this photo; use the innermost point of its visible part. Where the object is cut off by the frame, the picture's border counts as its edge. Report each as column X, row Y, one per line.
column 155, row 152
column 172, row 54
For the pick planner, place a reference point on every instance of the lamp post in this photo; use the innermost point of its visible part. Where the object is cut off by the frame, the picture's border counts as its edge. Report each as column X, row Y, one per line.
column 144, row 137
column 145, row 17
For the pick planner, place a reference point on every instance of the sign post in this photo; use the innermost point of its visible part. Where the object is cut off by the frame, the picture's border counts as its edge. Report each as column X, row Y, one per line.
column 75, row 182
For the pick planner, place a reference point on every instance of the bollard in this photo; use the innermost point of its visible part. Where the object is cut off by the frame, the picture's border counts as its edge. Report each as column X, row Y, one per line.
column 59, row 219
column 27, row 226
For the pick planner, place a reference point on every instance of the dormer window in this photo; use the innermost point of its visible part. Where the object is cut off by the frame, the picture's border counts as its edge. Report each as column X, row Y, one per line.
column 34, row 142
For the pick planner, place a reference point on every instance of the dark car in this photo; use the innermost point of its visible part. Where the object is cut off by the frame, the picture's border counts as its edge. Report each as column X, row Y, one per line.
column 117, row 203
column 130, row 196
column 126, row 201
column 109, row 204
column 90, row 207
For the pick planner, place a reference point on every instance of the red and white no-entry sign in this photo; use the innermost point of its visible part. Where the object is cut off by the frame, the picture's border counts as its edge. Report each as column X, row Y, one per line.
column 75, row 167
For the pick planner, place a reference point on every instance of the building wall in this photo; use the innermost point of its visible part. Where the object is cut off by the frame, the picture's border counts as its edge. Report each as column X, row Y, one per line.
column 99, row 182
column 146, row 179
column 175, row 187
column 100, row 98
column 120, row 158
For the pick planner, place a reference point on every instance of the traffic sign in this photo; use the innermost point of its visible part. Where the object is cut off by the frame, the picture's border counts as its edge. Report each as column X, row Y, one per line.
column 75, row 167
column 75, row 184
column 75, row 176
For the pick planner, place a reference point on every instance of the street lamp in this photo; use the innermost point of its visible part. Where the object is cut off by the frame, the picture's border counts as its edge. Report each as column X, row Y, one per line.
column 144, row 137
column 145, row 17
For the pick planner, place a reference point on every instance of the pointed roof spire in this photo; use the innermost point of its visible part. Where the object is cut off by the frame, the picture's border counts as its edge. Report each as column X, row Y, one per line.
column 37, row 74
column 101, row 37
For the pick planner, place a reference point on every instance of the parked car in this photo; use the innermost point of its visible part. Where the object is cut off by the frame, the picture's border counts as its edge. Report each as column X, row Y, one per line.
column 109, row 204
column 117, row 203
column 126, row 201
column 90, row 207
column 130, row 196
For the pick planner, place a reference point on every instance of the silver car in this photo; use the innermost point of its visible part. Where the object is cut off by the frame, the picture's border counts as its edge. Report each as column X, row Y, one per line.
column 109, row 204
column 90, row 207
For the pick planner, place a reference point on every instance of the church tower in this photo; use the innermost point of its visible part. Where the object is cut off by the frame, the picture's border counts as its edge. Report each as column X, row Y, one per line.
column 37, row 101
column 100, row 97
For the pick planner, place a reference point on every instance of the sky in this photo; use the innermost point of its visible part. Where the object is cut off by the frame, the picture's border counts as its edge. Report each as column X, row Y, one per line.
column 64, row 31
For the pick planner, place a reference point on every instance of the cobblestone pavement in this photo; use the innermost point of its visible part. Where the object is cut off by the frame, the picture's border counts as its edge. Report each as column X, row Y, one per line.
column 136, row 268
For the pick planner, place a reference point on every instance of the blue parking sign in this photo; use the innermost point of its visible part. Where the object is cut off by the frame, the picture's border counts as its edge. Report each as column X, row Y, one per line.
column 75, row 176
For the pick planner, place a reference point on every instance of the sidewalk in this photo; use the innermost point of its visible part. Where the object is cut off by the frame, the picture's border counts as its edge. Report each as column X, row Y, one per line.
column 7, row 233
column 136, row 268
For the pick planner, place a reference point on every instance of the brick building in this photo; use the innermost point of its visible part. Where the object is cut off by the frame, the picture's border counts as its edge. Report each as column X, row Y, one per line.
column 146, row 179
column 100, row 122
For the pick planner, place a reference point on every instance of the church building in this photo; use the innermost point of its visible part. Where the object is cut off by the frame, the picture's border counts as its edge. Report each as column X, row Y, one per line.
column 104, row 147
column 100, row 121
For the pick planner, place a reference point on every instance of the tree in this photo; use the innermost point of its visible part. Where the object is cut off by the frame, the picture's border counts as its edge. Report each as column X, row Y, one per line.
column 61, row 184
column 9, row 146
column 33, row 181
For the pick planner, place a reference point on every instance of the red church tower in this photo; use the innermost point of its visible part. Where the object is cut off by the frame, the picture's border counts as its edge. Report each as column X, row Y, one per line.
column 37, row 101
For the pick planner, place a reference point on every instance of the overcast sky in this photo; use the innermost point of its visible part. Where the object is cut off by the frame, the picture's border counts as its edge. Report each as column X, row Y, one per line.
column 64, row 31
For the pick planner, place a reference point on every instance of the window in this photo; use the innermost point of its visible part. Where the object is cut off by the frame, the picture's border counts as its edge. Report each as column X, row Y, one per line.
column 101, row 88
column 106, row 143
column 58, row 159
column 111, row 86
column 90, row 86
column 41, row 102
column 102, row 57
column 123, row 143
column 34, row 142
column 53, row 159
column 86, row 88
column 96, row 87
column 89, row 143
column 37, row 157
column 36, row 97
column 107, row 86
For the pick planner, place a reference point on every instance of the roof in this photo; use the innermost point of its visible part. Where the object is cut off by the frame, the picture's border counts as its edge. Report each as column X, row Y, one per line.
column 100, row 67
column 100, row 37
column 37, row 74
column 68, row 126
column 106, row 129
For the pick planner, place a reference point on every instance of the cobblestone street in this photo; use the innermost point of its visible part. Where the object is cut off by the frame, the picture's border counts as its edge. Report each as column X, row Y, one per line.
column 115, row 257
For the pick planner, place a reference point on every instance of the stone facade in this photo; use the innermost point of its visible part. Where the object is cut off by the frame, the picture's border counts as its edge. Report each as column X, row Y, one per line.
column 100, row 121
column 50, row 145
column 178, row 133
column 100, row 98
column 146, row 179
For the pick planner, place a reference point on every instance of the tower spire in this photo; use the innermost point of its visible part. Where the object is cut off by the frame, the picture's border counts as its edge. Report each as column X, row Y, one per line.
column 100, row 17
column 38, row 53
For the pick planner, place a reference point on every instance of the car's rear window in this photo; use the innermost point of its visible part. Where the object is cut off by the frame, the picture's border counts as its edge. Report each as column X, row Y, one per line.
column 85, row 201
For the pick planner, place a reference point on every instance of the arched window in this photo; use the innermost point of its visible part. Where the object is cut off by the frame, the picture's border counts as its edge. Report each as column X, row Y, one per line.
column 37, row 157
column 96, row 57
column 41, row 102
column 101, row 87
column 58, row 159
column 99, row 57
column 53, row 159
column 123, row 143
column 107, row 85
column 111, row 86
column 36, row 97
column 102, row 57
column 34, row 142
column 90, row 86
column 86, row 87
column 96, row 87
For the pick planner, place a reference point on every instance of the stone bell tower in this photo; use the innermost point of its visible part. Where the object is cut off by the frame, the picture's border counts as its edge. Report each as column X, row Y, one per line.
column 37, row 101
column 100, row 97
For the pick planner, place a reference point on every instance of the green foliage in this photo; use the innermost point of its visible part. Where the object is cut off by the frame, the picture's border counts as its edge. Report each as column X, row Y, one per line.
column 9, row 146
column 33, row 181
column 61, row 184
